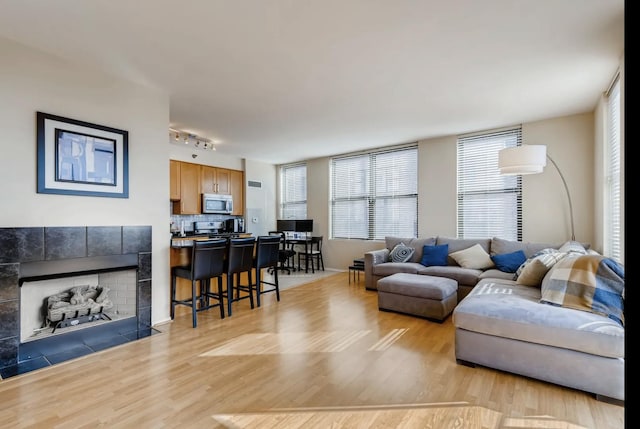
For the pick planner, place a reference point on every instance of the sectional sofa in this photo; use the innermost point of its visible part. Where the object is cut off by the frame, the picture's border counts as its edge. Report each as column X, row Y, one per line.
column 506, row 323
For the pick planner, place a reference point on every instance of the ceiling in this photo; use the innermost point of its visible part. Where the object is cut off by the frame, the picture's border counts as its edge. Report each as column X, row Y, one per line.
column 279, row 81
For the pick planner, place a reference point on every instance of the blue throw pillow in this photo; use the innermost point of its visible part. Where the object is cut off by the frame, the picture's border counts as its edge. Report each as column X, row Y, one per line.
column 435, row 255
column 509, row 262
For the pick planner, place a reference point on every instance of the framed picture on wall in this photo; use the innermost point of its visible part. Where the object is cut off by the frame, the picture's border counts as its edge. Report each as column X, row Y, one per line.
column 81, row 158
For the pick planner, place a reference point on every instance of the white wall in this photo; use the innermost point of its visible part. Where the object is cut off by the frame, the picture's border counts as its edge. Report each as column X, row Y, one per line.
column 31, row 81
column 260, row 211
column 545, row 206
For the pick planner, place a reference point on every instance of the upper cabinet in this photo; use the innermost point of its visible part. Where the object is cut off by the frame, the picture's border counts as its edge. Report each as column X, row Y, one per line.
column 190, row 201
column 189, row 181
column 174, row 180
column 236, row 189
column 215, row 180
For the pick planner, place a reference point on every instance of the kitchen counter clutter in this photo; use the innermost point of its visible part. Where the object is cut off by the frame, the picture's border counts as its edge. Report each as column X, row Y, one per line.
column 187, row 241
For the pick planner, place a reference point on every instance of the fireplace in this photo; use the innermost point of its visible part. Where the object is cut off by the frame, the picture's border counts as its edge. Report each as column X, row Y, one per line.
column 32, row 257
column 57, row 306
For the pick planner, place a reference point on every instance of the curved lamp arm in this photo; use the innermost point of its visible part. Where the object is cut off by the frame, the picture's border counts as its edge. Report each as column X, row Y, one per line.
column 566, row 188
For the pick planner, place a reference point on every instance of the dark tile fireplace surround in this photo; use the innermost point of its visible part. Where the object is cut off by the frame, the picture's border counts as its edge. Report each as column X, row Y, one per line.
column 41, row 253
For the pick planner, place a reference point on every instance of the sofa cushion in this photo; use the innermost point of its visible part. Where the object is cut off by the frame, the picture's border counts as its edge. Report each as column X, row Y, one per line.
column 473, row 257
column 456, row 244
column 508, row 310
column 509, row 262
column 416, row 243
column 494, row 273
column 464, row 276
column 435, row 255
column 388, row 268
column 401, row 253
column 500, row 246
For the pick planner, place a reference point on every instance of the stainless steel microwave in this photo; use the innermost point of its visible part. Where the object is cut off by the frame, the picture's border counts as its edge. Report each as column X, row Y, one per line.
column 217, row 203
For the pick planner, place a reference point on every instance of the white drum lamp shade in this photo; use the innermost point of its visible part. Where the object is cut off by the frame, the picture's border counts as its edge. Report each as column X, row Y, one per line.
column 531, row 159
column 525, row 159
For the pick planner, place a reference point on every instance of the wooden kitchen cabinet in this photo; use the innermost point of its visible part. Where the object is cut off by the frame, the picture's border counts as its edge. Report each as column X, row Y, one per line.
column 190, row 201
column 214, row 180
column 236, row 189
column 189, row 181
column 174, row 180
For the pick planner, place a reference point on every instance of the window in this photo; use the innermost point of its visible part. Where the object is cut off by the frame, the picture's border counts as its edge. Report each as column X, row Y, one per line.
column 613, row 171
column 293, row 191
column 489, row 205
column 375, row 194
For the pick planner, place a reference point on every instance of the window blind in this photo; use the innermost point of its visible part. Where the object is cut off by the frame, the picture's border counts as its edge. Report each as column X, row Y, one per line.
column 375, row 194
column 614, row 233
column 489, row 204
column 293, row 191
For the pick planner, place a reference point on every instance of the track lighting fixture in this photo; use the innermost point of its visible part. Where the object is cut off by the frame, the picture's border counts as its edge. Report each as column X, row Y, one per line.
column 185, row 138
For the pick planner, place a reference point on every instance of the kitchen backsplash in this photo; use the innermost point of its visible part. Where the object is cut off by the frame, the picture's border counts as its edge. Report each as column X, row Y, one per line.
column 190, row 219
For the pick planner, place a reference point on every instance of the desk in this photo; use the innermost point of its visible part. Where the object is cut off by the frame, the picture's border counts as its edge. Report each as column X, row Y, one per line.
column 300, row 241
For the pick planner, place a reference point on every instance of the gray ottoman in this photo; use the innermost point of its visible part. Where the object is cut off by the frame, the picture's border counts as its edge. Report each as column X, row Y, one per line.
column 431, row 297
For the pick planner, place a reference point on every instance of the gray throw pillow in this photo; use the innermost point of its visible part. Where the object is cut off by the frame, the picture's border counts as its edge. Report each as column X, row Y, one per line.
column 401, row 253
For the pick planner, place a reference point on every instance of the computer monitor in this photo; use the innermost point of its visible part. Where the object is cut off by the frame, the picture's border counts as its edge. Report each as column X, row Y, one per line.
column 304, row 225
column 285, row 225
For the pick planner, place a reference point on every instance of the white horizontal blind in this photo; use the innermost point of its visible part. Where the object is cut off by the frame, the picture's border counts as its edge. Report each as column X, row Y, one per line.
column 375, row 194
column 613, row 239
column 489, row 204
column 293, row 191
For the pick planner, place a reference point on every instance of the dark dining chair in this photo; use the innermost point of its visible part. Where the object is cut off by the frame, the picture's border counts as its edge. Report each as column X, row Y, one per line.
column 267, row 256
column 312, row 254
column 285, row 254
column 239, row 260
column 207, row 262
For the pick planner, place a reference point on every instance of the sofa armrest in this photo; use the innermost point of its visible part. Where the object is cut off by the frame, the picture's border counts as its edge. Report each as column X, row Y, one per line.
column 372, row 258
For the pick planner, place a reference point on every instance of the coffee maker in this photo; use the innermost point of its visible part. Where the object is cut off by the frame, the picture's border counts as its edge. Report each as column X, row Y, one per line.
column 235, row 224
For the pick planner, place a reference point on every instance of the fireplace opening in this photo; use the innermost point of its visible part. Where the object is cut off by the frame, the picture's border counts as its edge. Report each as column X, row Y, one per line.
column 61, row 305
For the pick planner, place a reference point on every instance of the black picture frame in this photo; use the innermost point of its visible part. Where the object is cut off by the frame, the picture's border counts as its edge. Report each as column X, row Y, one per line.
column 81, row 158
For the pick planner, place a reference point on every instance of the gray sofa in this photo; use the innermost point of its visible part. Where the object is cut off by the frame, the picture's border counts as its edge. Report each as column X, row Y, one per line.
column 501, row 324
column 377, row 265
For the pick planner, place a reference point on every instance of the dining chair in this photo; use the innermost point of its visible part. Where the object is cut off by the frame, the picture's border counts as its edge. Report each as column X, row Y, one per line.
column 207, row 262
column 267, row 256
column 239, row 260
column 285, row 254
column 312, row 254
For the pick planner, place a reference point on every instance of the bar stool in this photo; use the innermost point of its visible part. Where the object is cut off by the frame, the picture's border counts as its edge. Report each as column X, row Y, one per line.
column 267, row 256
column 239, row 260
column 207, row 262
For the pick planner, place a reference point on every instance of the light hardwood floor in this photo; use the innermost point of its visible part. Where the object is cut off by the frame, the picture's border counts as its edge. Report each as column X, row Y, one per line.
column 324, row 356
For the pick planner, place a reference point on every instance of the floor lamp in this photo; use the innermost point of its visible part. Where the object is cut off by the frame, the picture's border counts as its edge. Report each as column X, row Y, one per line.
column 530, row 159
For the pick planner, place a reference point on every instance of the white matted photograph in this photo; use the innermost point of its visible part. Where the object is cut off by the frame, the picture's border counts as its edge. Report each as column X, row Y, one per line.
column 81, row 158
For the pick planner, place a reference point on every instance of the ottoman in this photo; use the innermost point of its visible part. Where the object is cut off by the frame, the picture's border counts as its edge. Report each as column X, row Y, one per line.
column 431, row 297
